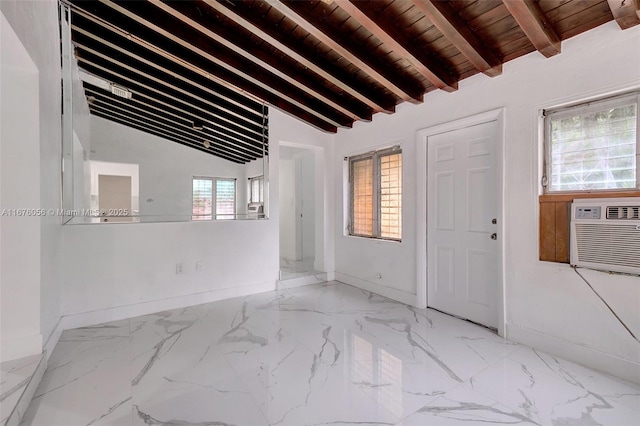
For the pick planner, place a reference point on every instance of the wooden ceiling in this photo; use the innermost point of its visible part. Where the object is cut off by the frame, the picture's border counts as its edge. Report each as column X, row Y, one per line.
column 328, row 63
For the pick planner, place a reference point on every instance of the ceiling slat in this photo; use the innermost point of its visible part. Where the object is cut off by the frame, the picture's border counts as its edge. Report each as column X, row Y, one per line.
column 395, row 83
column 393, row 37
column 535, row 25
column 311, row 60
column 211, row 130
column 272, row 89
column 259, row 56
column 458, row 32
column 177, row 129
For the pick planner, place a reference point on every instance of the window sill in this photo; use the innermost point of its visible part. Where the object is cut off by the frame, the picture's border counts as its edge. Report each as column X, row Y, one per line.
column 372, row 239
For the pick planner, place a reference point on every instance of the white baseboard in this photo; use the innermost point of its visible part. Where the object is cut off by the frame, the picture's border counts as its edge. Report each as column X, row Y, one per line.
column 27, row 395
column 592, row 358
column 85, row 319
column 302, row 281
column 20, row 347
column 391, row 293
column 53, row 338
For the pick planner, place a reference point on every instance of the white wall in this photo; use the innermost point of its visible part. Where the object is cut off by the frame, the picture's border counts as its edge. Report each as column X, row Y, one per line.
column 166, row 168
column 19, row 235
column 546, row 304
column 119, row 270
column 308, row 195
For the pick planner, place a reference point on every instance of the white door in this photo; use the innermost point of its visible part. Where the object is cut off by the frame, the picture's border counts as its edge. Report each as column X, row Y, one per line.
column 114, row 198
column 462, row 204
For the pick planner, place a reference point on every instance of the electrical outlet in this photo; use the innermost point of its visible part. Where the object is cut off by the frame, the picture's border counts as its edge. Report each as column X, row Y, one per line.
column 179, row 268
column 199, row 265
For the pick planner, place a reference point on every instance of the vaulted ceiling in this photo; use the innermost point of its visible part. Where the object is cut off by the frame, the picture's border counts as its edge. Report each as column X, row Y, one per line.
column 329, row 63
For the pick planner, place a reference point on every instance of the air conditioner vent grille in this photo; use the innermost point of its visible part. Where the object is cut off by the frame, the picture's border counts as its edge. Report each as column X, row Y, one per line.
column 623, row 212
column 609, row 244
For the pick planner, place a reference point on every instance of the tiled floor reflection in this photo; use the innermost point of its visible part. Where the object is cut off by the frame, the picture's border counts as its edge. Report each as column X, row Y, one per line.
column 290, row 269
column 319, row 355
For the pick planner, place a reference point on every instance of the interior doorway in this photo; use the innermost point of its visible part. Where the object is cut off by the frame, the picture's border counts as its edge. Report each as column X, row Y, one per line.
column 301, row 230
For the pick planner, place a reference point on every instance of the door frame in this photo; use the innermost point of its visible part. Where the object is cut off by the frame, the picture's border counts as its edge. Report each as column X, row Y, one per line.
column 422, row 137
column 322, row 215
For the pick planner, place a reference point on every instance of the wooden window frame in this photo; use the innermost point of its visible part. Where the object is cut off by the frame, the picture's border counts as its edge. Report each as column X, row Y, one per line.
column 375, row 157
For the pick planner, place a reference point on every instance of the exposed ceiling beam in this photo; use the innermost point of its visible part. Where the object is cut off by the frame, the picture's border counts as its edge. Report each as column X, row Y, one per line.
column 393, row 37
column 178, row 128
column 291, row 102
column 457, row 31
column 394, row 83
column 535, row 25
column 186, row 80
column 165, row 130
column 109, row 115
column 625, row 12
column 185, row 12
column 153, row 94
column 179, row 121
column 308, row 59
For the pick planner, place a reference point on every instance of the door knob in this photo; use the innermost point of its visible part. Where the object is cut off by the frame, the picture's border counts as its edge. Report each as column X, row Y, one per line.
column 494, row 236
column 494, row 221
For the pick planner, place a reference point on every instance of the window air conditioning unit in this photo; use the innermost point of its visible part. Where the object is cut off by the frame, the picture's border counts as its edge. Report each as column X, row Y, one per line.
column 605, row 234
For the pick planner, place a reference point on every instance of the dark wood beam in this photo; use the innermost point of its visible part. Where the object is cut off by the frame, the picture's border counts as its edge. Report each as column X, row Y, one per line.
column 361, row 59
column 308, row 59
column 535, row 25
column 232, row 40
column 142, row 126
column 271, row 90
column 625, row 12
column 211, row 131
column 455, row 29
column 393, row 37
column 179, row 129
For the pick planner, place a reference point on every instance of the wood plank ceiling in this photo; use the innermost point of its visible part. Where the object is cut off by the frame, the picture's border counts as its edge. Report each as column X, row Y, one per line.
column 204, row 70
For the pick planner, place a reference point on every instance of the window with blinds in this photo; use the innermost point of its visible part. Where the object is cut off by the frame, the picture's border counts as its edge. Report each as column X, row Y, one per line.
column 202, row 199
column 375, row 208
column 225, row 198
column 208, row 189
column 593, row 146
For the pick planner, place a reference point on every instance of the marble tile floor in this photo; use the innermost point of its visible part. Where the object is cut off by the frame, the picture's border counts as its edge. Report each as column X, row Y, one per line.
column 326, row 354
column 291, row 269
column 18, row 380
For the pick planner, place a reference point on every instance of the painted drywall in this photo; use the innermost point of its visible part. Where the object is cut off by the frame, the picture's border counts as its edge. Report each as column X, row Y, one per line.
column 166, row 168
column 546, row 304
column 120, row 270
column 19, row 232
column 308, row 196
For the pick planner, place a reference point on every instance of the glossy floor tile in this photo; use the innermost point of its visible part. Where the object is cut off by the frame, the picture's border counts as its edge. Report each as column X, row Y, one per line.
column 290, row 269
column 325, row 354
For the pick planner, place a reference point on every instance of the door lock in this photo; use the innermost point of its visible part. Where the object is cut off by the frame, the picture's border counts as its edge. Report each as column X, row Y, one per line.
column 494, row 236
column 494, row 221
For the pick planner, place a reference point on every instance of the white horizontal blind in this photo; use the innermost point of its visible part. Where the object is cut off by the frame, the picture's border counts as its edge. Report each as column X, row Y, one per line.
column 225, row 198
column 391, row 196
column 202, row 199
column 594, row 146
column 362, row 197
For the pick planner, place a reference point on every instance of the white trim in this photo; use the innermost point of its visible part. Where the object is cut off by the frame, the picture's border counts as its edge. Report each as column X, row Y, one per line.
column 85, row 319
column 53, row 338
column 589, row 357
column 321, row 182
column 422, row 135
column 303, row 281
column 391, row 293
